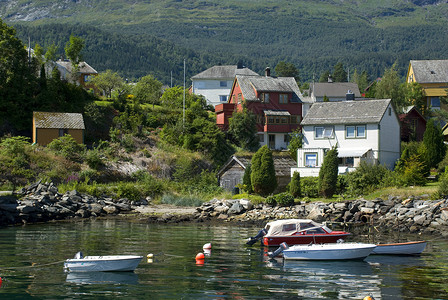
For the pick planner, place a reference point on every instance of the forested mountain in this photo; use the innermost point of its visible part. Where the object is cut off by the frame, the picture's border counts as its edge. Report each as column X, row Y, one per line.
column 138, row 37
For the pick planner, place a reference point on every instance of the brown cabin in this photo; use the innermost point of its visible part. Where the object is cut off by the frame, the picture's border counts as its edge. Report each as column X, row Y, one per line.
column 232, row 172
column 48, row 126
column 413, row 125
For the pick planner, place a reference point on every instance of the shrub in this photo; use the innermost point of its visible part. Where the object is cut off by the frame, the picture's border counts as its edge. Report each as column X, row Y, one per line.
column 328, row 174
column 128, row 190
column 413, row 171
column 270, row 200
column 94, row 159
column 246, row 179
column 284, row 199
column 294, row 186
column 443, row 185
column 67, row 147
column 309, row 187
column 263, row 177
column 181, row 200
column 341, row 185
column 365, row 178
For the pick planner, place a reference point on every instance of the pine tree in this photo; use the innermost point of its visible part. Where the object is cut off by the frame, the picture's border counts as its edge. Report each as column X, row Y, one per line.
column 262, row 176
column 328, row 174
column 246, row 179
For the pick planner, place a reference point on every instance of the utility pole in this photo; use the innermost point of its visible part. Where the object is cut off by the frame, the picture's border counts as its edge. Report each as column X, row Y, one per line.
column 183, row 118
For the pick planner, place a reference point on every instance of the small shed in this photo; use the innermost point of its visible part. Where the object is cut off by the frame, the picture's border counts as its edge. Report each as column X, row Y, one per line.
column 232, row 172
column 48, row 126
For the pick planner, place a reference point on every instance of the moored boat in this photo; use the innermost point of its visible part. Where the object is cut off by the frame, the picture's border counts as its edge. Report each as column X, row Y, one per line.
column 297, row 231
column 335, row 251
column 407, row 248
column 102, row 263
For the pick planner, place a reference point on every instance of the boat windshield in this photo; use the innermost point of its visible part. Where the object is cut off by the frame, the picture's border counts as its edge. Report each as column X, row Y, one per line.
column 328, row 230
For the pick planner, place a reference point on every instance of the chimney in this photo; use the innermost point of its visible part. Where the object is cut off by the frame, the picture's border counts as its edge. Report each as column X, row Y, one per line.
column 350, row 96
column 239, row 65
column 267, row 71
column 330, row 79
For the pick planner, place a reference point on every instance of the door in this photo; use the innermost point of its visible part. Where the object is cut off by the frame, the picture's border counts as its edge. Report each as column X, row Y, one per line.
column 272, row 141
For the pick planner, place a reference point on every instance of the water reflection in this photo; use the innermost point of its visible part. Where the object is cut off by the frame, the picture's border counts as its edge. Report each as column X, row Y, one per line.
column 102, row 277
column 345, row 279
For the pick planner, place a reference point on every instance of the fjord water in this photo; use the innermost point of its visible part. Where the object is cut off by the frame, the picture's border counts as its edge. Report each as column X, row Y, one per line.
column 31, row 266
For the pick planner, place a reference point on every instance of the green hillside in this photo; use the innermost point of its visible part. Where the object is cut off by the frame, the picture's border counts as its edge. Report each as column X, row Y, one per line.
column 140, row 37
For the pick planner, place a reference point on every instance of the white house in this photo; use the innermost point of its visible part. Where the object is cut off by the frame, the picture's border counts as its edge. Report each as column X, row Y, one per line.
column 366, row 130
column 215, row 83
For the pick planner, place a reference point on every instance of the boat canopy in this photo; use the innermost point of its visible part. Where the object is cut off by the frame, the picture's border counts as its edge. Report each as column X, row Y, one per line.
column 293, row 226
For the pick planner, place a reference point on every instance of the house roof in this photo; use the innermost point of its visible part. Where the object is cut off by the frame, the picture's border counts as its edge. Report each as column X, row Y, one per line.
column 346, row 112
column 83, row 67
column 282, row 164
column 56, row 120
column 335, row 89
column 407, row 110
column 430, row 71
column 270, row 112
column 250, row 85
column 223, row 72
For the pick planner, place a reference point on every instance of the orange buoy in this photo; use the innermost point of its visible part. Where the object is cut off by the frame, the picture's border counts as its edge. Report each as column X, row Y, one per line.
column 200, row 256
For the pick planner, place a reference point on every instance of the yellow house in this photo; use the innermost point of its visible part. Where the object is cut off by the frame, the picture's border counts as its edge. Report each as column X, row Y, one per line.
column 432, row 75
column 48, row 126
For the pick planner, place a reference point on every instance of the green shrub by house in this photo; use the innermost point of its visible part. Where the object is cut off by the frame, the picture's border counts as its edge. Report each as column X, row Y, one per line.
column 262, row 176
column 328, row 174
column 284, row 199
column 294, row 186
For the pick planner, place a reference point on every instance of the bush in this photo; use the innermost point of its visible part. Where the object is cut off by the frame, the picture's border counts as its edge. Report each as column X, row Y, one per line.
column 128, row 190
column 181, row 200
column 270, row 200
column 294, row 186
column 309, row 186
column 94, row 159
column 284, row 199
column 67, row 147
column 366, row 178
column 443, row 185
column 263, row 177
column 328, row 174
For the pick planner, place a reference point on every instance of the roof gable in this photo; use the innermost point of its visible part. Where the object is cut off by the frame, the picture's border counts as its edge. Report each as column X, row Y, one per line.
column 57, row 120
column 83, row 67
column 346, row 112
column 430, row 71
column 223, row 72
column 282, row 164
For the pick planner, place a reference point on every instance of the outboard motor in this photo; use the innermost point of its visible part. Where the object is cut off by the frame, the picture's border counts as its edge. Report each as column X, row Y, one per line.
column 283, row 246
column 253, row 240
column 79, row 255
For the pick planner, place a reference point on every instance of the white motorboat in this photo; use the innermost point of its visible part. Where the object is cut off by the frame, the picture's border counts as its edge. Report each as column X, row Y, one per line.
column 407, row 248
column 102, row 263
column 336, row 251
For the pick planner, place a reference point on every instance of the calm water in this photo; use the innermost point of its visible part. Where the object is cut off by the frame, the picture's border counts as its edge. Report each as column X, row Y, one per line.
column 31, row 266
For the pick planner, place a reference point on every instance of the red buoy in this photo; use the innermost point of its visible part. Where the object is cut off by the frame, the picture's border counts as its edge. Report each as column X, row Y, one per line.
column 200, row 256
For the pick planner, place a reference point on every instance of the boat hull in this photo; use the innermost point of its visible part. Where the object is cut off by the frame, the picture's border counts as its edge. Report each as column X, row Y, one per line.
column 103, row 263
column 340, row 251
column 304, row 239
column 408, row 248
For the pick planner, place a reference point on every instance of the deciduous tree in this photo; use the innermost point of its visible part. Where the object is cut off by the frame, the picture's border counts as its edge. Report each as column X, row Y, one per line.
column 242, row 127
column 107, row 82
column 148, row 90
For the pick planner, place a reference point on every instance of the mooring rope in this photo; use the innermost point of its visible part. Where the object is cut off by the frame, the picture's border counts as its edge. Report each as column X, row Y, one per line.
column 33, row 265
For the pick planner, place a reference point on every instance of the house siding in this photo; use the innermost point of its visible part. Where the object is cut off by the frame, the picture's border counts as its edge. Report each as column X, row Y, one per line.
column 212, row 89
column 44, row 136
column 390, row 140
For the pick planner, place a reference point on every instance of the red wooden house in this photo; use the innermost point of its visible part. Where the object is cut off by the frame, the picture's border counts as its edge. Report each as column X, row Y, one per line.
column 413, row 125
column 276, row 102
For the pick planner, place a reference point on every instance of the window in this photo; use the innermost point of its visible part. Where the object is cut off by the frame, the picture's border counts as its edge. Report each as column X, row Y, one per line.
column 63, row 132
column 323, row 132
column 435, row 102
column 223, row 98
column 283, row 98
column 240, row 98
column 271, row 119
column 286, row 138
column 87, row 78
column 289, row 227
column 277, row 120
column 358, row 131
column 284, row 120
column 261, row 138
column 310, row 159
column 390, row 111
column 259, row 119
column 223, row 83
column 264, row 97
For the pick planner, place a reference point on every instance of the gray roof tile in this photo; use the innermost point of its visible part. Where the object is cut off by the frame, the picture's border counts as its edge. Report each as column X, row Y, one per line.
column 58, row 120
column 430, row 71
column 223, row 72
column 346, row 112
column 335, row 89
column 83, row 67
column 251, row 84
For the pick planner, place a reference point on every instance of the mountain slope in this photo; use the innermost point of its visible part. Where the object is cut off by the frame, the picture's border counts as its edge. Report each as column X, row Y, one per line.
column 365, row 34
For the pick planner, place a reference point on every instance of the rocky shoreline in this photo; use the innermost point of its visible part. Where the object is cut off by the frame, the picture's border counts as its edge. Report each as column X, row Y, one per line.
column 41, row 202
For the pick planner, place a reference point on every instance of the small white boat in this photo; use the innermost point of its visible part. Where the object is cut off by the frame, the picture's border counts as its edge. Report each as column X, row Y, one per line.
column 102, row 263
column 336, row 251
column 407, row 248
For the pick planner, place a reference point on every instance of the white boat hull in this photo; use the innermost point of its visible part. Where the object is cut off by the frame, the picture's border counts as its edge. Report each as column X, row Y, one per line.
column 409, row 248
column 340, row 251
column 103, row 263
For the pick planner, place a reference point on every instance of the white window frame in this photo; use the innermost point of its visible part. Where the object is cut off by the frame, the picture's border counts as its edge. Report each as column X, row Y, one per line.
column 327, row 132
column 355, row 131
column 306, row 160
column 221, row 97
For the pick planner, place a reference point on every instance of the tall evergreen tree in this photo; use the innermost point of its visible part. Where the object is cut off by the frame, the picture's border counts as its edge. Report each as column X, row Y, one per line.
column 328, row 174
column 294, row 185
column 263, row 177
column 246, row 179
column 339, row 74
column 433, row 141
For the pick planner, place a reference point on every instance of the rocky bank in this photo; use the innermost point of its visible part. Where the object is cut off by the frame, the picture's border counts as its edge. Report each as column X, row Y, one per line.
column 41, row 202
